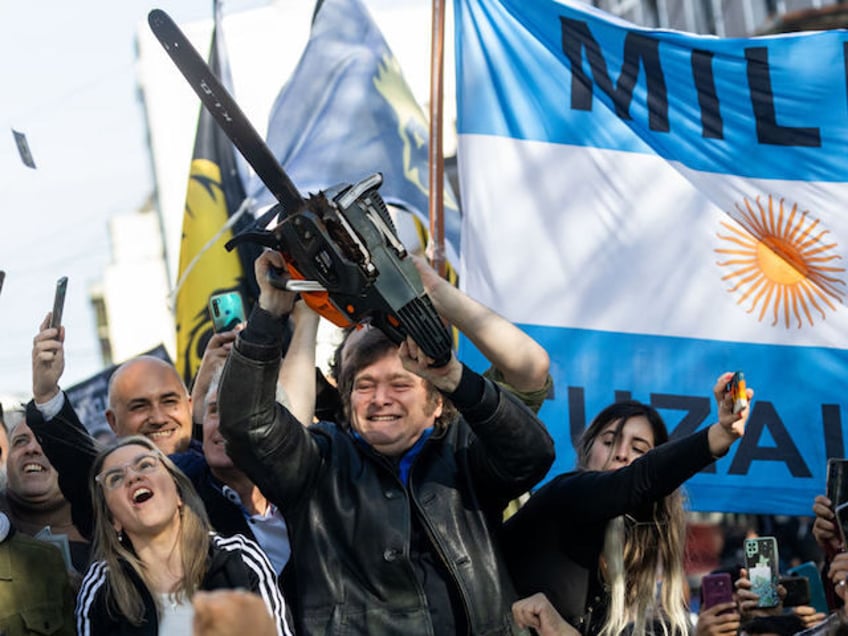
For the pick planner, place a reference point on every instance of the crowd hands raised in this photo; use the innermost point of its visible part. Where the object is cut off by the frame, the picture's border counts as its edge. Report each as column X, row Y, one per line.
column 232, row 508
column 745, row 615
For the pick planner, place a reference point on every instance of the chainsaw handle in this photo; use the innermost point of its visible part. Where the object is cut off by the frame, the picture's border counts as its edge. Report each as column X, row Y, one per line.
column 318, row 301
column 276, row 278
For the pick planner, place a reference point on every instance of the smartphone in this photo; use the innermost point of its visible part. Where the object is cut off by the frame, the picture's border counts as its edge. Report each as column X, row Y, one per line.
column 797, row 590
column 59, row 301
column 227, row 310
column 837, row 492
column 736, row 387
column 716, row 588
column 837, row 480
column 761, row 561
column 818, row 600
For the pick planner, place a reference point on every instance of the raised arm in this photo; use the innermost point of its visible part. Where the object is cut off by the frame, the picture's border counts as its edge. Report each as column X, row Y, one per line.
column 297, row 372
column 48, row 361
column 597, row 496
column 214, row 357
column 523, row 362
column 63, row 438
column 263, row 438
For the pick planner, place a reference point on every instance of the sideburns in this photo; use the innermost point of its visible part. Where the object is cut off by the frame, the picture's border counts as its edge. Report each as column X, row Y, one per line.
column 434, row 400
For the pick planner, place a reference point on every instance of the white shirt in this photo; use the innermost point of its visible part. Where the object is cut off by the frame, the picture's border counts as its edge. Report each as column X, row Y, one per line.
column 177, row 618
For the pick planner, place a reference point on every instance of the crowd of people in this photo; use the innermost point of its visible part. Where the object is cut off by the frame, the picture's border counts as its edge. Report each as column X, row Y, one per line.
column 398, row 497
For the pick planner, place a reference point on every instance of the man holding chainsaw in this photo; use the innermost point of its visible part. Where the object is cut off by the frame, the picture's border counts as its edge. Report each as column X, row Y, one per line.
column 391, row 514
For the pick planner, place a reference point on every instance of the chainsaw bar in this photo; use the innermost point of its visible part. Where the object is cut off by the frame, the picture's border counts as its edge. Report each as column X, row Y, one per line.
column 224, row 109
column 343, row 237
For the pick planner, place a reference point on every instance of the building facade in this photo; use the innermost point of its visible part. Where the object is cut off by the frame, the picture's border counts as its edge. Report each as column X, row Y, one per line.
column 724, row 18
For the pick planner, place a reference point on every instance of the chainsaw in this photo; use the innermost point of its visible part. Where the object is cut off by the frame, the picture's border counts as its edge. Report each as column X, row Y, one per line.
column 340, row 246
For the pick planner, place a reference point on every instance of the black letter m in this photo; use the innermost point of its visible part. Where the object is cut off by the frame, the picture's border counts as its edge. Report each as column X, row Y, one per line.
column 638, row 49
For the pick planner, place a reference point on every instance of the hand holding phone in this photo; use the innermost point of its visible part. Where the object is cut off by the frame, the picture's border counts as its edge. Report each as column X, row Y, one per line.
column 736, row 387
column 761, row 561
column 59, row 302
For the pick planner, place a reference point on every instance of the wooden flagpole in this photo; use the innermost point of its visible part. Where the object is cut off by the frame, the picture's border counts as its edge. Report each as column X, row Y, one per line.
column 436, row 159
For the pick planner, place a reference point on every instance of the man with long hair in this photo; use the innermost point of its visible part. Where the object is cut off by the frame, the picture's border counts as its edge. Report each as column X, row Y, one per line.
column 391, row 512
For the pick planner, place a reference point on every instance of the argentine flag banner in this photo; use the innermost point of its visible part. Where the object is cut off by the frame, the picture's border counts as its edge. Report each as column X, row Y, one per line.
column 657, row 208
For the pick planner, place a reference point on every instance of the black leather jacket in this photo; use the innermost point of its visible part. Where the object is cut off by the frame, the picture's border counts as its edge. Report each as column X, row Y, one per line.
column 350, row 516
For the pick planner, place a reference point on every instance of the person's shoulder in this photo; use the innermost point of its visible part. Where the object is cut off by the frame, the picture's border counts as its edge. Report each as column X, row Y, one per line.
column 93, row 580
column 552, row 489
column 34, row 551
column 328, row 433
column 327, row 427
column 237, row 543
column 226, row 551
column 91, row 600
column 191, row 461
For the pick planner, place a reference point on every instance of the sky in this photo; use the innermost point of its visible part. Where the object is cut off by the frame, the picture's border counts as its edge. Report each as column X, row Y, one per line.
column 69, row 84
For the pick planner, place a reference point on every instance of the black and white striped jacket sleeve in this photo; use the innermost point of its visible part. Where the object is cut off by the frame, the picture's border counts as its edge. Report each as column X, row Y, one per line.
column 264, row 579
column 92, row 584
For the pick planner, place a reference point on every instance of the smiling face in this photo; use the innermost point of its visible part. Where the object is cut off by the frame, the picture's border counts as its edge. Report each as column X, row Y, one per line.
column 142, row 504
column 147, row 397
column 30, row 475
column 609, row 453
column 390, row 406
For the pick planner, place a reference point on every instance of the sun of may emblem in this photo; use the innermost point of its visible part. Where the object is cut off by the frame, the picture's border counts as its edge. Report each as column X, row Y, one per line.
column 782, row 262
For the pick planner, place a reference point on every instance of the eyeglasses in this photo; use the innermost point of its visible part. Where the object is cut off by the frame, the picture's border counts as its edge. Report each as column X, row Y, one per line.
column 141, row 465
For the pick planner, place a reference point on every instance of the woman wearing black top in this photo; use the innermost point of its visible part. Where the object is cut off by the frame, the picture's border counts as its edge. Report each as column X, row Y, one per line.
column 596, row 541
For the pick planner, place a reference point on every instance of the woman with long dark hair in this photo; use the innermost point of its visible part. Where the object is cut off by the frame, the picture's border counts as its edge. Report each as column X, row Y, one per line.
column 605, row 543
column 153, row 549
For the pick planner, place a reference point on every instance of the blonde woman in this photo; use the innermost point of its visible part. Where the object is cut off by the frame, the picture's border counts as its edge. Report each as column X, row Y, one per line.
column 605, row 544
column 153, row 549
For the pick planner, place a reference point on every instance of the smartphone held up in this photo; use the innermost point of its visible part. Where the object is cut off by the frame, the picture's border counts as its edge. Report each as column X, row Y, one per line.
column 761, row 561
column 59, row 302
column 736, row 387
column 227, row 311
column 716, row 588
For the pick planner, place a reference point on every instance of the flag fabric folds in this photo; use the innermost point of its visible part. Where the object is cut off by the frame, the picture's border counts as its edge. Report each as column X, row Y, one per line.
column 215, row 191
column 673, row 206
column 347, row 112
